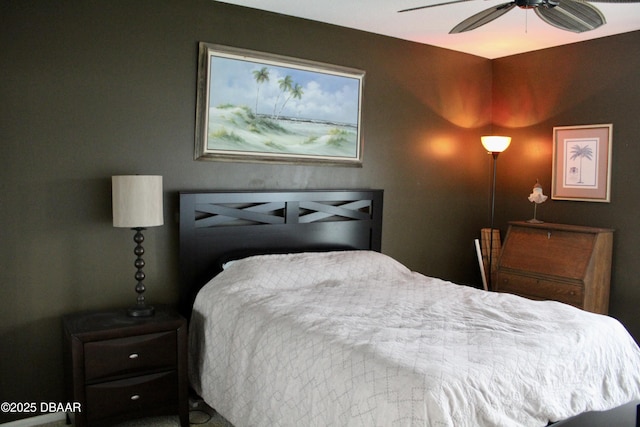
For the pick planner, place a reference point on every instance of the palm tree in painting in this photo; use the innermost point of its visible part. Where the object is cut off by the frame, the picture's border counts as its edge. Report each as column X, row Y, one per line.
column 285, row 85
column 261, row 76
column 578, row 152
column 295, row 92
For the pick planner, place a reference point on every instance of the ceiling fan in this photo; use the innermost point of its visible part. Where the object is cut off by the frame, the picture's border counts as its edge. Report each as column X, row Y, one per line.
column 570, row 15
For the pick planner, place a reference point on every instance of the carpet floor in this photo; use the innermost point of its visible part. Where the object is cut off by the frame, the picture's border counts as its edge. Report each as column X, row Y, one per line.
column 200, row 415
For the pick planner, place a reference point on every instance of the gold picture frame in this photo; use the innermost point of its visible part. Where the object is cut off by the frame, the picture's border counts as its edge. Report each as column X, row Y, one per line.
column 581, row 168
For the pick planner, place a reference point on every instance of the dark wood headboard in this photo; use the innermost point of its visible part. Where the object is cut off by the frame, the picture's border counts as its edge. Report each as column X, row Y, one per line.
column 218, row 225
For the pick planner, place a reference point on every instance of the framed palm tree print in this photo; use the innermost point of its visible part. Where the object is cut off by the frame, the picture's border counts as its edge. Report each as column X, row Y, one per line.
column 582, row 163
column 260, row 107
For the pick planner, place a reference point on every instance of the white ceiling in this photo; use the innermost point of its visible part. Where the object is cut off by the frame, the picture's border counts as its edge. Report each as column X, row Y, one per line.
column 517, row 31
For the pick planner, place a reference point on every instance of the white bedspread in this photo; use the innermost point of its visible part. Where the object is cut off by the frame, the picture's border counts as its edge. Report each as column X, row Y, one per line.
column 356, row 339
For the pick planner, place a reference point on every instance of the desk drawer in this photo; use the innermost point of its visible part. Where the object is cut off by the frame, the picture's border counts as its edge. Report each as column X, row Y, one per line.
column 124, row 356
column 542, row 289
column 132, row 395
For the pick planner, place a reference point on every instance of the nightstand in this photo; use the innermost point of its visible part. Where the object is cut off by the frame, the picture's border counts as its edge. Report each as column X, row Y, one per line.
column 119, row 367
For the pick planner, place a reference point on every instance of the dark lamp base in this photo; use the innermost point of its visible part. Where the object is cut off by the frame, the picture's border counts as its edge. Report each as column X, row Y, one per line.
column 141, row 311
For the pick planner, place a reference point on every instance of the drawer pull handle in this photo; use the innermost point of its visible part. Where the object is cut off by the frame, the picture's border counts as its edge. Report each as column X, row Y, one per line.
column 133, row 356
column 135, row 397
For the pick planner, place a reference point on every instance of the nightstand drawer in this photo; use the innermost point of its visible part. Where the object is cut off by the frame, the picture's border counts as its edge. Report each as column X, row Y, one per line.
column 132, row 395
column 124, row 356
column 544, row 289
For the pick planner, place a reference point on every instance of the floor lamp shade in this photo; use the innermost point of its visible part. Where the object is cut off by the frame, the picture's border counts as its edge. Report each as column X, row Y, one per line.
column 495, row 144
column 137, row 201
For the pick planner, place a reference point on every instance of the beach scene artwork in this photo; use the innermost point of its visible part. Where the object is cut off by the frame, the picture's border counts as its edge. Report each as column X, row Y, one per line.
column 271, row 109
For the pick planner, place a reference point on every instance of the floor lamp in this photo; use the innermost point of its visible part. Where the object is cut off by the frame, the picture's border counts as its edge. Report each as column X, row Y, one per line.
column 494, row 146
column 137, row 204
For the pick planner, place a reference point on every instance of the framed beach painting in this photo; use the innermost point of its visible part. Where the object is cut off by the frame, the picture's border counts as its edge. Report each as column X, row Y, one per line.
column 582, row 163
column 260, row 107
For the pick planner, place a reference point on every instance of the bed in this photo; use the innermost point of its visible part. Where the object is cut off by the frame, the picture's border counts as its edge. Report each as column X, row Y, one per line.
column 297, row 319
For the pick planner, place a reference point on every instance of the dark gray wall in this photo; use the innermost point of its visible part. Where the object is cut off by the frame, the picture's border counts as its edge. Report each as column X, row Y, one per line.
column 586, row 83
column 93, row 89
column 90, row 90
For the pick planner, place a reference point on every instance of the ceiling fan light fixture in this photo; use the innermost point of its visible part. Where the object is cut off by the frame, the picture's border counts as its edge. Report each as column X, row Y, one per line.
column 529, row 4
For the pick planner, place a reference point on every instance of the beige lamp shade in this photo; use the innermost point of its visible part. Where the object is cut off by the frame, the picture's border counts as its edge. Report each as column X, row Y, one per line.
column 495, row 144
column 137, row 201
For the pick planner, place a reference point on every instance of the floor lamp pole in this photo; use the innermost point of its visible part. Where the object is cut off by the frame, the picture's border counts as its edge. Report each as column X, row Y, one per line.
column 493, row 208
column 494, row 146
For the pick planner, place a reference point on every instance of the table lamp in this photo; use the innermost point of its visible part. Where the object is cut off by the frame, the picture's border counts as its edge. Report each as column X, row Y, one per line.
column 137, row 204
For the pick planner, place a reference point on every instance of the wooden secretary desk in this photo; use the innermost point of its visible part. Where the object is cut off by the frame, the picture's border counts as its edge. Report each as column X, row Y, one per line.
column 566, row 263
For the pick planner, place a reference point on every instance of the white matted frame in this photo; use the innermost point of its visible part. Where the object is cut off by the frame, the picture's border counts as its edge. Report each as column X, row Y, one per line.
column 259, row 107
column 582, row 163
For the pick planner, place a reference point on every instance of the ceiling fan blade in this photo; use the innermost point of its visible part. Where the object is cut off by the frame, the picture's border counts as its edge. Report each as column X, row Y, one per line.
column 411, row 9
column 484, row 17
column 571, row 15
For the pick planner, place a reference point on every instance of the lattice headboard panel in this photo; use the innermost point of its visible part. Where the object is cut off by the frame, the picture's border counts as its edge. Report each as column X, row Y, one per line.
column 214, row 225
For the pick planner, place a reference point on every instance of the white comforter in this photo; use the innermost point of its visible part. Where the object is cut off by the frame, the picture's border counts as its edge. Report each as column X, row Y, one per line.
column 356, row 339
